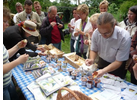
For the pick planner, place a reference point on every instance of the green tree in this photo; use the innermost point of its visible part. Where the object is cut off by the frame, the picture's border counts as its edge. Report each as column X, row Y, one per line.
column 124, row 7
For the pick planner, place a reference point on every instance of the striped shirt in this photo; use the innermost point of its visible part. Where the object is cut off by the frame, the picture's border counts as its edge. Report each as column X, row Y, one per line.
column 7, row 76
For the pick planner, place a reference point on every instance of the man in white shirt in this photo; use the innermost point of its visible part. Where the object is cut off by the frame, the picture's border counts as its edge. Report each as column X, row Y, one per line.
column 19, row 8
column 112, row 44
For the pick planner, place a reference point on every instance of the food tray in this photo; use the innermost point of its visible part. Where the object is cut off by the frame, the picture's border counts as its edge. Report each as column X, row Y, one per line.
column 52, row 50
column 29, row 69
column 59, row 54
column 46, row 47
column 73, row 63
column 28, row 66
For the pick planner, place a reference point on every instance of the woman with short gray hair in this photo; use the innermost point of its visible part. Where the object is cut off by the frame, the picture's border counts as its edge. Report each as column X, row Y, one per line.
column 82, row 26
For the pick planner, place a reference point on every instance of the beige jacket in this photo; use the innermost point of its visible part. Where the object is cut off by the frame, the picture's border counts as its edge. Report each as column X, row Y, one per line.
column 23, row 16
column 131, row 29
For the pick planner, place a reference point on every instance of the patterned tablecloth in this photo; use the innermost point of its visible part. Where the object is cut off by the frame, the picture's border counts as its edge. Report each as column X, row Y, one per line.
column 23, row 80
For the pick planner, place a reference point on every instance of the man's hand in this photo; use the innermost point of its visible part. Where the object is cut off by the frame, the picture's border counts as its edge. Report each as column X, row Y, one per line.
column 100, row 73
column 60, row 25
column 53, row 24
column 41, row 49
column 42, row 54
column 89, row 62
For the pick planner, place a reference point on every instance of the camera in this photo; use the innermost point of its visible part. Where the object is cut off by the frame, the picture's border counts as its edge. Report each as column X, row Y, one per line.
column 58, row 23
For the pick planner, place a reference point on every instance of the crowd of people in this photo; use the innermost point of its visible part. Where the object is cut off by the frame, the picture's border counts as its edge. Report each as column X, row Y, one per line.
column 99, row 38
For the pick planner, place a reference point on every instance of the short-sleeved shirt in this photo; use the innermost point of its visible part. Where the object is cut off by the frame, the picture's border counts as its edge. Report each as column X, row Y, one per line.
column 7, row 76
column 116, row 47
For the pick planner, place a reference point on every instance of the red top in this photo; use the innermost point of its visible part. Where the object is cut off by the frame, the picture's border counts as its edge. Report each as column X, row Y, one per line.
column 56, row 37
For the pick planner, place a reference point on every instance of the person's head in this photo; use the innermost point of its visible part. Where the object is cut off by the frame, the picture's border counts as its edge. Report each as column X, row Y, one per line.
column 19, row 7
column 132, row 14
column 74, row 12
column 106, row 24
column 29, row 28
column 93, row 19
column 6, row 17
column 83, row 11
column 28, row 6
column 52, row 12
column 37, row 6
column 103, row 6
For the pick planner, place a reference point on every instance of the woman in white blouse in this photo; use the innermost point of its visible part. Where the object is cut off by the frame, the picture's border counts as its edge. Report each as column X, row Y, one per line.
column 71, row 26
column 82, row 26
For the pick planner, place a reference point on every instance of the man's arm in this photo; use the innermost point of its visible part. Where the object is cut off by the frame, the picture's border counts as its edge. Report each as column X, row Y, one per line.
column 93, row 54
column 111, row 67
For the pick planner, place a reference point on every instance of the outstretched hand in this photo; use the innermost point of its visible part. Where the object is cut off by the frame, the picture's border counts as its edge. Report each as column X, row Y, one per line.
column 41, row 49
column 22, row 44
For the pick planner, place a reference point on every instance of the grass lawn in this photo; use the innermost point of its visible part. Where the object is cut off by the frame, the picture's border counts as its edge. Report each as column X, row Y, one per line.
column 66, row 44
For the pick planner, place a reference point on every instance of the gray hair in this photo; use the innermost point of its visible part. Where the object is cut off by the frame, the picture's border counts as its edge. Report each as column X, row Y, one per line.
column 18, row 4
column 52, row 7
column 105, row 18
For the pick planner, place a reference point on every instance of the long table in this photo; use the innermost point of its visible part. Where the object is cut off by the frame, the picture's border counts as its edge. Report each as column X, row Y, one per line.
column 23, row 80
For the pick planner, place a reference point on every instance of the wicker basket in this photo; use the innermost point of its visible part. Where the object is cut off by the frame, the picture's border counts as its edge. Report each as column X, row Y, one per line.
column 72, row 95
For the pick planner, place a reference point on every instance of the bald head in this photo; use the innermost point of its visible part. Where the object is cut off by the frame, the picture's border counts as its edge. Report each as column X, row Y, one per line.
column 52, row 8
column 52, row 12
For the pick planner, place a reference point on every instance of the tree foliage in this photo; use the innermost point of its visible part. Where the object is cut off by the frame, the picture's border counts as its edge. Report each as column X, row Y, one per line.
column 118, row 8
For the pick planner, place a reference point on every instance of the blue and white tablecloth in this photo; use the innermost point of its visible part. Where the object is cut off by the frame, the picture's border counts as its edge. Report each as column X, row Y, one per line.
column 23, row 80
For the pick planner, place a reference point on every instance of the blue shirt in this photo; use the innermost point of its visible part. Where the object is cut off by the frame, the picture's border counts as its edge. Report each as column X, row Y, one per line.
column 116, row 47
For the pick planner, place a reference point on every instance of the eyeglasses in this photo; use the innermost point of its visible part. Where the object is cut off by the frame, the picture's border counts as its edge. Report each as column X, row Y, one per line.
column 130, row 14
column 108, row 33
column 80, row 14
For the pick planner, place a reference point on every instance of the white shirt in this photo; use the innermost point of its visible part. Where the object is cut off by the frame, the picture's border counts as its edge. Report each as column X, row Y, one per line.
column 15, row 17
column 86, row 29
column 72, row 23
column 117, row 47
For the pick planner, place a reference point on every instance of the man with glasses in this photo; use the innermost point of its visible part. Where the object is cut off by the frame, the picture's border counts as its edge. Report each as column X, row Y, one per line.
column 112, row 44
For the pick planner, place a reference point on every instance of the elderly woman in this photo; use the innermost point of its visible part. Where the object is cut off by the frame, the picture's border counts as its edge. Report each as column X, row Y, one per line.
column 130, row 23
column 103, row 6
column 82, row 26
column 93, row 20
